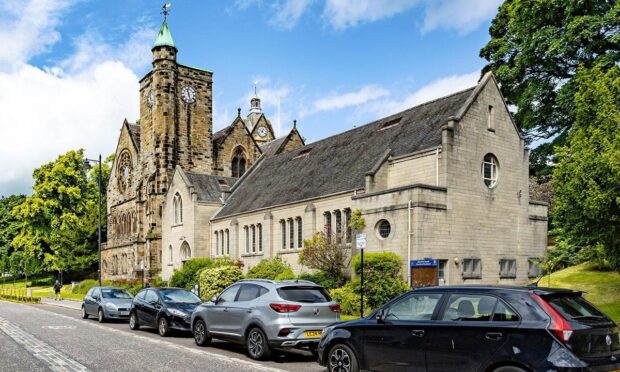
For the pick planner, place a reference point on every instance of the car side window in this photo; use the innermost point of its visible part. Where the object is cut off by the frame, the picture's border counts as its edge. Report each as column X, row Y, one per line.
column 151, row 297
column 248, row 292
column 414, row 307
column 90, row 292
column 229, row 294
column 96, row 294
column 141, row 295
column 503, row 313
column 469, row 308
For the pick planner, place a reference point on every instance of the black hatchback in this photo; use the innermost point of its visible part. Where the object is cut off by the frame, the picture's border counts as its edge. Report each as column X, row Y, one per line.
column 166, row 309
column 501, row 329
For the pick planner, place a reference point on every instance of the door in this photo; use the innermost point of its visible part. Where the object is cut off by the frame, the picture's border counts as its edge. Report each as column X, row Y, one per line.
column 217, row 314
column 397, row 341
column 93, row 305
column 150, row 308
column 466, row 336
column 240, row 311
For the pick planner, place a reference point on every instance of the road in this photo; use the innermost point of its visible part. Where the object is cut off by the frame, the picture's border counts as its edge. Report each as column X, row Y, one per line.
column 46, row 337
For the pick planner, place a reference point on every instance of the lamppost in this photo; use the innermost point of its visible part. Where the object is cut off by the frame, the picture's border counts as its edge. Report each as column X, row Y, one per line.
column 87, row 165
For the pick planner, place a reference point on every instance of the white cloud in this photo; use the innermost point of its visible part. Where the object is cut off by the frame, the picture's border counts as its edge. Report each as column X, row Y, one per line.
column 288, row 12
column 76, row 103
column 341, row 14
column 436, row 89
column 462, row 16
column 339, row 101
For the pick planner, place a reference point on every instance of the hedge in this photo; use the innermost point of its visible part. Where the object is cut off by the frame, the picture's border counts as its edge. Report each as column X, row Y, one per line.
column 214, row 280
column 273, row 268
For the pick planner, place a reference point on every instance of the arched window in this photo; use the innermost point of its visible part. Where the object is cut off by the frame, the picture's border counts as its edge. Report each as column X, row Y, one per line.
column 238, row 163
column 247, row 239
column 170, row 255
column 283, row 232
column 227, row 242
column 260, row 237
column 327, row 225
column 299, row 232
column 217, row 245
column 177, row 205
column 291, row 233
column 338, row 216
column 347, row 222
column 222, row 241
column 253, row 228
column 186, row 252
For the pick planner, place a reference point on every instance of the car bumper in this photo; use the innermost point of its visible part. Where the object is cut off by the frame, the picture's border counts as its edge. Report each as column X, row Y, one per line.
column 116, row 314
column 181, row 323
column 294, row 344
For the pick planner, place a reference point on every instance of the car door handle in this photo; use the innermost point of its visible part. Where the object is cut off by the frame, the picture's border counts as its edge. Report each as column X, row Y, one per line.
column 493, row 336
column 417, row 333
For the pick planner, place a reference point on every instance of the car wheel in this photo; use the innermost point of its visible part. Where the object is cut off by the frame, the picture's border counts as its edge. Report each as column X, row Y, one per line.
column 134, row 325
column 100, row 316
column 509, row 369
column 163, row 327
column 342, row 359
column 201, row 337
column 84, row 313
column 257, row 344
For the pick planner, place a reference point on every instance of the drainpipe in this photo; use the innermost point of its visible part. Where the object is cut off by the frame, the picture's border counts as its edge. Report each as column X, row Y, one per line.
column 409, row 234
column 437, row 166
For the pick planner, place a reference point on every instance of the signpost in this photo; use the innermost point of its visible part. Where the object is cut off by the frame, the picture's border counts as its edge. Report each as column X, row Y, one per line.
column 142, row 268
column 360, row 240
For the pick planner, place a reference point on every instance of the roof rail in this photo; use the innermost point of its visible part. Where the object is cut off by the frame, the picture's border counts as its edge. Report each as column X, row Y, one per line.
column 257, row 280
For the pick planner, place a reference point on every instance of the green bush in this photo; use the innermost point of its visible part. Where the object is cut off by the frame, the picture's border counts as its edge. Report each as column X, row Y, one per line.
column 187, row 276
column 321, row 278
column 349, row 300
column 270, row 269
column 382, row 277
column 214, row 280
column 85, row 285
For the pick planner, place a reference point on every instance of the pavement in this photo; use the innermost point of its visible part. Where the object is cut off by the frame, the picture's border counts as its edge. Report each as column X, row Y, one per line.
column 52, row 336
column 69, row 304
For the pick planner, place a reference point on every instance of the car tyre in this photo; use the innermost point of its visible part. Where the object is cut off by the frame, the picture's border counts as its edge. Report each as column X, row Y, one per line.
column 509, row 369
column 257, row 344
column 201, row 336
column 134, row 324
column 84, row 313
column 100, row 316
column 163, row 327
column 342, row 359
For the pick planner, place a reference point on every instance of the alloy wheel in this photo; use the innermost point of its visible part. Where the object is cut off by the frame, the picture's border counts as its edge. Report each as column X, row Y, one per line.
column 339, row 361
column 163, row 327
column 100, row 316
column 199, row 333
column 256, row 343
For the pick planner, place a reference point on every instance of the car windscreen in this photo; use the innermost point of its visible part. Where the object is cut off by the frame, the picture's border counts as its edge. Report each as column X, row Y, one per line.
column 304, row 294
column 179, row 296
column 574, row 307
column 115, row 293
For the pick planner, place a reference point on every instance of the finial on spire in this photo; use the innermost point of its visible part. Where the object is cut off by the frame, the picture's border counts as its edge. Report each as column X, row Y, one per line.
column 255, row 84
column 165, row 11
column 238, row 112
column 295, row 124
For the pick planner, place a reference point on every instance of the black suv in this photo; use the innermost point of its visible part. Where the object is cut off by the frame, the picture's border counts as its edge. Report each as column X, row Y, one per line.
column 476, row 329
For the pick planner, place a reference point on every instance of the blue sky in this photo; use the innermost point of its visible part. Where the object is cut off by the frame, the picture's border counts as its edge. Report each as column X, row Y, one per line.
column 70, row 68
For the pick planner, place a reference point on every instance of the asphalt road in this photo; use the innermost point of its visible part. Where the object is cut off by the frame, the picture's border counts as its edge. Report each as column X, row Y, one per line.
column 46, row 337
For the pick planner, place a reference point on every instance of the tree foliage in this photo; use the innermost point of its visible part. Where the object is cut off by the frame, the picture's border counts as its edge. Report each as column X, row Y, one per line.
column 9, row 228
column 272, row 268
column 586, row 179
column 535, row 50
column 330, row 255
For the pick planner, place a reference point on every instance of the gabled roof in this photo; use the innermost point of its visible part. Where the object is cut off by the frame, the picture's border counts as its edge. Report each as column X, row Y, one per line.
column 272, row 147
column 208, row 188
column 339, row 163
column 135, row 132
column 220, row 135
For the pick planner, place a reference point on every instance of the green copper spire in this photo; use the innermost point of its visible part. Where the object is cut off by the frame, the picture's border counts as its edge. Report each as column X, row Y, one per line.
column 164, row 38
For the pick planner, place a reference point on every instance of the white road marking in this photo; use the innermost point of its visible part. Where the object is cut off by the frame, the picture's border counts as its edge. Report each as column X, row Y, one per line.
column 137, row 335
column 54, row 359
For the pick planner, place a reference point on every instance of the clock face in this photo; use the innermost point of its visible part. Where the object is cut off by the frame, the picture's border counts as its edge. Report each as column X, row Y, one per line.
column 150, row 98
column 124, row 172
column 262, row 131
column 189, row 94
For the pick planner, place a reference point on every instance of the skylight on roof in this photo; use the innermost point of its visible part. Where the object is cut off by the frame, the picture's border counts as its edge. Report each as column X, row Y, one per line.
column 302, row 153
column 390, row 123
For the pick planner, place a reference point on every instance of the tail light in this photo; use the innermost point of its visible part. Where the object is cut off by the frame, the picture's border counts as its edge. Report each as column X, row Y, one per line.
column 285, row 308
column 335, row 308
column 284, row 332
column 558, row 325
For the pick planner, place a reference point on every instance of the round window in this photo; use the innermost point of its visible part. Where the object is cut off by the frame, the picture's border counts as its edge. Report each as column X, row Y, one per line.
column 490, row 170
column 384, row 229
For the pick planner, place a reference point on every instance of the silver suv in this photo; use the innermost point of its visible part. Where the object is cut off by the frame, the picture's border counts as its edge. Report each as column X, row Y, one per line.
column 266, row 315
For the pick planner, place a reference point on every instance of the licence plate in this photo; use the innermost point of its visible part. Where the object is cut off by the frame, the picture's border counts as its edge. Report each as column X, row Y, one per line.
column 312, row 334
column 124, row 313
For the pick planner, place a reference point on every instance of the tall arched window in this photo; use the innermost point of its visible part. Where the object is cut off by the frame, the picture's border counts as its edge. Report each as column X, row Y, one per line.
column 253, row 228
column 299, row 232
column 177, row 205
column 283, row 232
column 227, row 242
column 291, row 234
column 260, row 237
column 238, row 163
column 186, row 252
column 222, row 241
column 217, row 245
column 247, row 239
column 170, row 255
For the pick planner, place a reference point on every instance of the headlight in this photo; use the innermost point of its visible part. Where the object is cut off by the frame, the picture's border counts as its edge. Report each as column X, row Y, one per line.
column 327, row 331
column 110, row 306
column 177, row 312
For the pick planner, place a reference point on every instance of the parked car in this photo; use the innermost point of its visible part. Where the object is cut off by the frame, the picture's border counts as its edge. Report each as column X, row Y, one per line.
column 266, row 315
column 166, row 309
column 106, row 303
column 476, row 329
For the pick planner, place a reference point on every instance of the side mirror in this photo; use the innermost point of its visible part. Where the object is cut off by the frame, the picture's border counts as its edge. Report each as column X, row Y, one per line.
column 214, row 299
column 379, row 316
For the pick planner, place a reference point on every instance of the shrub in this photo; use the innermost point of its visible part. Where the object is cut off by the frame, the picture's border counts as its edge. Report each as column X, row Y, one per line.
column 214, row 280
column 270, row 269
column 187, row 276
column 349, row 300
column 330, row 254
column 321, row 278
column 382, row 277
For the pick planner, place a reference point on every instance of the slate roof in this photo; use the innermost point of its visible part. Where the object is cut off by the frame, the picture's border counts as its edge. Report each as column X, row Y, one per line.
column 135, row 131
column 339, row 163
column 220, row 135
column 209, row 188
column 272, row 147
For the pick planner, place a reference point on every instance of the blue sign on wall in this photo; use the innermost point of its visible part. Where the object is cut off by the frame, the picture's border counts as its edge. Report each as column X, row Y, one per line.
column 427, row 262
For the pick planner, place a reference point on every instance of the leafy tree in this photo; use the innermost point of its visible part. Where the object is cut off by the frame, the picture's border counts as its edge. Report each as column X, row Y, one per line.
column 58, row 222
column 535, row 50
column 273, row 268
column 331, row 256
column 9, row 227
column 188, row 275
column 586, row 179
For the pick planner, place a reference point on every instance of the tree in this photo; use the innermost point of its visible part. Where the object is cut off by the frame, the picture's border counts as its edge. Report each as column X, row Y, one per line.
column 9, row 227
column 58, row 222
column 586, row 179
column 535, row 50
column 331, row 256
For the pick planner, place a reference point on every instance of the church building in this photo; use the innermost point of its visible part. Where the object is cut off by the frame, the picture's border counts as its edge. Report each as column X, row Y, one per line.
column 442, row 184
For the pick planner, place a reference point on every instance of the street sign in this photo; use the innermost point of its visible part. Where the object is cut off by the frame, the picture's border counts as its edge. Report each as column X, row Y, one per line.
column 142, row 265
column 360, row 240
column 427, row 262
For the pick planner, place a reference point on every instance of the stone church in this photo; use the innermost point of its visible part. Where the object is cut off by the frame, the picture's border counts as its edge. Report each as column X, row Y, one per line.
column 442, row 184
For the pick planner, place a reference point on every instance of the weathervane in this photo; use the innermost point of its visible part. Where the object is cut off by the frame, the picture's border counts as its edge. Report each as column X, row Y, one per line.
column 255, row 84
column 165, row 11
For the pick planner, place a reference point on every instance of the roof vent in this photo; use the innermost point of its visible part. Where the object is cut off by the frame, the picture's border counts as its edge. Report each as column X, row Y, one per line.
column 390, row 123
column 302, row 153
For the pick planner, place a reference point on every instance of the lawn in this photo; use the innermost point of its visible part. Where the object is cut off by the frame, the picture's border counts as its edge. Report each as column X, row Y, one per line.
column 602, row 288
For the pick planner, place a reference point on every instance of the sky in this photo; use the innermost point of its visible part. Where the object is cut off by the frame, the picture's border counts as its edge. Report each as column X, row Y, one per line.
column 69, row 69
